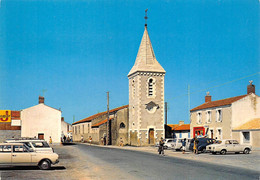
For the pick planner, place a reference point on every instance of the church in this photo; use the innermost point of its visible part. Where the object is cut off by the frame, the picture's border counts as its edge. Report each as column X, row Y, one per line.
column 141, row 123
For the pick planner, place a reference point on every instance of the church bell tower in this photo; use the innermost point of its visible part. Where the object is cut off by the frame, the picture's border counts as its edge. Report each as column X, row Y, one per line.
column 146, row 96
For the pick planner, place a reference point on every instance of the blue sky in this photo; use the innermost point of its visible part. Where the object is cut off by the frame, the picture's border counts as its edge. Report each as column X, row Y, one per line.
column 78, row 50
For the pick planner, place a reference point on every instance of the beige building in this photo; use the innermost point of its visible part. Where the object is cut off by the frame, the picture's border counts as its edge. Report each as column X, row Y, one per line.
column 41, row 121
column 95, row 127
column 224, row 118
column 146, row 96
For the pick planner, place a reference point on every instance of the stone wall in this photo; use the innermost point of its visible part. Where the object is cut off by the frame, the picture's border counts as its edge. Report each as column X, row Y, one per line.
column 7, row 134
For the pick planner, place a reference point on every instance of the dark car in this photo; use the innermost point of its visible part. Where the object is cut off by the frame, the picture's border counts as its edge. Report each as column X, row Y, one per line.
column 202, row 143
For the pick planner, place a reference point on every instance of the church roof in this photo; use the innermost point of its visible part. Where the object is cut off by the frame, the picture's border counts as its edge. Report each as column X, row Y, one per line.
column 146, row 60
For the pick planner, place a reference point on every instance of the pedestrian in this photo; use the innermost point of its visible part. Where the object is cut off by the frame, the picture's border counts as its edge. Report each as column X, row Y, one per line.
column 105, row 140
column 82, row 139
column 64, row 138
column 50, row 140
column 183, row 145
column 195, row 143
column 160, row 148
column 90, row 140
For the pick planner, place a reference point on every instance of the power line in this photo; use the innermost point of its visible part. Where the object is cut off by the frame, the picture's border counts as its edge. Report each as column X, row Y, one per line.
column 219, row 85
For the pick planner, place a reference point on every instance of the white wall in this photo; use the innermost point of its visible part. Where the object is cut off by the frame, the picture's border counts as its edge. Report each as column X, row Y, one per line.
column 41, row 119
column 245, row 110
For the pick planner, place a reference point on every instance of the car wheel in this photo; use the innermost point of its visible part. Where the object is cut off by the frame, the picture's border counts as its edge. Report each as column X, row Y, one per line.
column 223, row 152
column 44, row 165
column 246, row 151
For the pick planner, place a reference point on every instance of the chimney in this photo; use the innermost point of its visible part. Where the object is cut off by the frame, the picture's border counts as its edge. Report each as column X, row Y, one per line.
column 41, row 100
column 207, row 98
column 62, row 118
column 181, row 123
column 250, row 88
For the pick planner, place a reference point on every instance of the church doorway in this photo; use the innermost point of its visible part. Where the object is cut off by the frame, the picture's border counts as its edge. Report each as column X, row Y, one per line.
column 151, row 136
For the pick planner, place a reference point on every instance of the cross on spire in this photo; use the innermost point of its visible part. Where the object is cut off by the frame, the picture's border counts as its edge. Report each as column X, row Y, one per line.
column 146, row 17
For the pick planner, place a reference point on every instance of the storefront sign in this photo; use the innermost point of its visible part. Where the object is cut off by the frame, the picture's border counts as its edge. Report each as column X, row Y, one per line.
column 5, row 116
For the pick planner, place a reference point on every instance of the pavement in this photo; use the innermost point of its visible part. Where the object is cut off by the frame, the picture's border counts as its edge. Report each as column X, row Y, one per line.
column 246, row 161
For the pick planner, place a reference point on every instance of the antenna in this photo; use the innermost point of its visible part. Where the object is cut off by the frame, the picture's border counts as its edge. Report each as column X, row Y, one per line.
column 43, row 91
column 146, row 17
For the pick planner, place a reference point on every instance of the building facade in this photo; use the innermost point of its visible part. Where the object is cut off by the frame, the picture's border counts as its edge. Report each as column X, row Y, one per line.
column 41, row 121
column 146, row 96
column 220, row 119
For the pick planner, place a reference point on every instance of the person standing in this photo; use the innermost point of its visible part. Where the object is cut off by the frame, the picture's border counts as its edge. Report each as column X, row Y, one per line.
column 195, row 144
column 183, row 145
column 50, row 140
column 160, row 148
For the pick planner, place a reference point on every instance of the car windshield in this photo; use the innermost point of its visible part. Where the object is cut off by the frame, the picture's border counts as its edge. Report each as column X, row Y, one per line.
column 40, row 144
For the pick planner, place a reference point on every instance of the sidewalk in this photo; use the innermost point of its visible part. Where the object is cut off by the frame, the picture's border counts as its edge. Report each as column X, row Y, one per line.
column 246, row 161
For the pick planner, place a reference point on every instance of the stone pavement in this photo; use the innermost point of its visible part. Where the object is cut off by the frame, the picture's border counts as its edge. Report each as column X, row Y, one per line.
column 247, row 161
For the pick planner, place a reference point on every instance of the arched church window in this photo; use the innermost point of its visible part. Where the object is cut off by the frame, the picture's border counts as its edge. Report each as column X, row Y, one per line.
column 122, row 125
column 150, row 87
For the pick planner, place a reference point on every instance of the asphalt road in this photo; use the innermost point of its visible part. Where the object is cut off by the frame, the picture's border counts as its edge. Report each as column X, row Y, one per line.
column 143, row 165
column 82, row 161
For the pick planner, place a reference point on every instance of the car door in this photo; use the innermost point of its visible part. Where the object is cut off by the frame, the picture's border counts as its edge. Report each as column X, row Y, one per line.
column 5, row 154
column 21, row 155
column 229, row 146
column 236, row 146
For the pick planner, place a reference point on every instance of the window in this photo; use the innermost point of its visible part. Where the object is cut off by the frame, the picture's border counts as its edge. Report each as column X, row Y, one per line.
column 150, row 87
column 219, row 115
column 188, row 134
column 219, row 133
column 208, row 116
column 199, row 121
column 180, row 135
column 19, row 149
column 88, row 128
column 246, row 137
column 4, row 149
column 122, row 125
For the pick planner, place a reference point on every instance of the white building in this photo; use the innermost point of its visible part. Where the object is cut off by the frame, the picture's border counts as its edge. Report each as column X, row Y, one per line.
column 41, row 121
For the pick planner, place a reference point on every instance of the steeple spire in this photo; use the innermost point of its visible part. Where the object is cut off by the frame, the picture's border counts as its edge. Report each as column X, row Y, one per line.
column 146, row 60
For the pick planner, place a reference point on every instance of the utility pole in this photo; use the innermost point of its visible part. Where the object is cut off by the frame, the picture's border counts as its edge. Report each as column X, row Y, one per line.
column 108, row 130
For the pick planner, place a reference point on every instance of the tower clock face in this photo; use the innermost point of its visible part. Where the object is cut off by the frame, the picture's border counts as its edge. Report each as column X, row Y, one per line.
column 151, row 107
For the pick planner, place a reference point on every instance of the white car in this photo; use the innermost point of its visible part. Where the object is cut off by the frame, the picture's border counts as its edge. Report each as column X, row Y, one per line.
column 37, row 145
column 229, row 145
column 18, row 154
column 168, row 143
column 177, row 146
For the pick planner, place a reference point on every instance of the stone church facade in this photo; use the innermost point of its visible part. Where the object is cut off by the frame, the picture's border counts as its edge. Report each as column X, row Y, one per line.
column 140, row 123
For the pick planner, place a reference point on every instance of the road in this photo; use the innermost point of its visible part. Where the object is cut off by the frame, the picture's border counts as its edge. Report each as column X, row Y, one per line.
column 93, row 162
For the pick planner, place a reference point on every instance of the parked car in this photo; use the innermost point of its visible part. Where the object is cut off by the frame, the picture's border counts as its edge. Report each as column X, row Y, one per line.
column 18, row 154
column 178, row 144
column 202, row 144
column 37, row 145
column 225, row 146
column 168, row 143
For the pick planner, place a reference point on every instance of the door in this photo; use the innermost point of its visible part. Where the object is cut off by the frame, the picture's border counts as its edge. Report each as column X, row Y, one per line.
column 21, row 155
column 236, row 146
column 229, row 146
column 5, row 154
column 151, row 136
column 41, row 136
